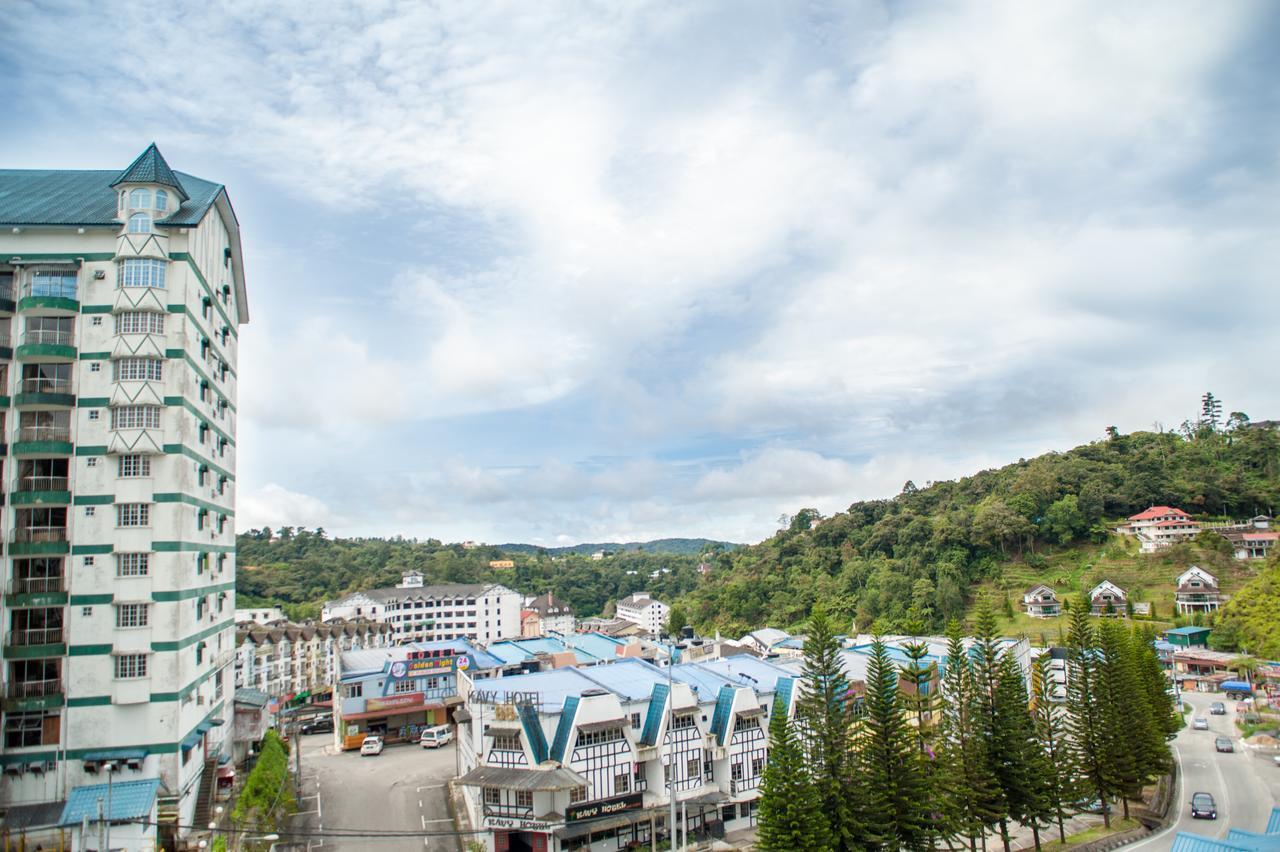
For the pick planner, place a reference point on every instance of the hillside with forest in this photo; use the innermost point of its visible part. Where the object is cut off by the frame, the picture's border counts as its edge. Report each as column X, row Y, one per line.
column 914, row 561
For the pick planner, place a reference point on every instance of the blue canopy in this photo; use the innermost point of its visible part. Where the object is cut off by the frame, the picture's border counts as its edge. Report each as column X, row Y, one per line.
column 1236, row 686
column 116, row 754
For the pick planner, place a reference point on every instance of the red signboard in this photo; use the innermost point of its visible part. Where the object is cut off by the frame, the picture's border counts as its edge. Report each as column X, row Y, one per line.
column 394, row 702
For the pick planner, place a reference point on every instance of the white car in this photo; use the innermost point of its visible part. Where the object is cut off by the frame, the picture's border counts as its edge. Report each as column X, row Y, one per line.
column 436, row 737
column 371, row 746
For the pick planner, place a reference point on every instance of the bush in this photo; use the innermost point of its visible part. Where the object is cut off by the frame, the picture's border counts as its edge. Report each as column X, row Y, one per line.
column 266, row 798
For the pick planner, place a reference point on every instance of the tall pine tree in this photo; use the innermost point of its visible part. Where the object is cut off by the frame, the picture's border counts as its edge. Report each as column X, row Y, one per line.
column 1003, row 751
column 1025, row 778
column 1086, row 724
column 826, row 714
column 791, row 815
column 920, row 699
column 1051, row 731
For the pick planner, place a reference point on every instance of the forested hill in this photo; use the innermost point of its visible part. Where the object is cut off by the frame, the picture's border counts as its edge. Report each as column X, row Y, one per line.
column 916, row 560
column 678, row 546
column 299, row 569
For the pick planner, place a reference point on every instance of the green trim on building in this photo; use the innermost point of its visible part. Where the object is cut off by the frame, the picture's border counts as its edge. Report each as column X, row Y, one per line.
column 39, row 498
column 27, row 652
column 204, row 417
column 38, row 548
column 52, row 303
column 91, row 450
column 195, row 365
column 35, row 702
column 96, row 309
column 91, row 549
column 95, row 356
column 43, row 448
column 198, row 324
column 188, row 594
column 180, row 546
column 93, row 402
column 188, row 641
column 95, row 499
column 89, row 650
column 166, row 497
column 179, row 449
column 90, row 701
column 36, row 599
column 60, row 399
column 90, row 600
column 44, row 350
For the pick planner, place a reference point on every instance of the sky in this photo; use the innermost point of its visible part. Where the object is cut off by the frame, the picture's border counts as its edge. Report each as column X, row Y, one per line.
column 561, row 272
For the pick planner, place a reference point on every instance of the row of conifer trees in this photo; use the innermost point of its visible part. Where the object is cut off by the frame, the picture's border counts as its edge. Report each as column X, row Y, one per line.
column 909, row 766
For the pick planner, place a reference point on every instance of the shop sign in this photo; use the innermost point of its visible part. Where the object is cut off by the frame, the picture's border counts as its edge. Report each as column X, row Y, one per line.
column 607, row 807
column 417, row 668
column 513, row 823
column 394, row 702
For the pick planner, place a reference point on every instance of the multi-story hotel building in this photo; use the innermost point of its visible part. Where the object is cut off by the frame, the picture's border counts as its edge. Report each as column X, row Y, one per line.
column 484, row 612
column 120, row 297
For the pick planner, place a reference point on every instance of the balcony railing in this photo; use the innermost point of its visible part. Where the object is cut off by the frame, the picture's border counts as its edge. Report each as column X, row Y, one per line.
column 51, row 336
column 737, row 786
column 28, row 484
column 45, row 433
column 39, row 534
column 515, row 811
column 43, row 384
column 33, row 688
column 34, row 636
column 5, row 341
column 35, row 585
column 6, row 291
column 59, row 288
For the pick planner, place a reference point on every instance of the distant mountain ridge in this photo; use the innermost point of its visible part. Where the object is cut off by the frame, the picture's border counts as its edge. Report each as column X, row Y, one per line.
column 676, row 546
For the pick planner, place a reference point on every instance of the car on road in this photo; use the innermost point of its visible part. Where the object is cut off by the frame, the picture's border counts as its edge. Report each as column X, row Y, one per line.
column 436, row 737
column 1217, row 708
column 371, row 746
column 1200, row 724
column 318, row 726
column 1203, row 807
column 1223, row 744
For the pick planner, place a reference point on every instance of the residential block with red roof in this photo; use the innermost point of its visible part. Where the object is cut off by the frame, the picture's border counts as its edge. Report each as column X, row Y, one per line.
column 1159, row 527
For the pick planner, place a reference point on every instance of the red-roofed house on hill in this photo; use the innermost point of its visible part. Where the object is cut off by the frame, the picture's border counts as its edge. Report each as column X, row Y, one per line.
column 1159, row 527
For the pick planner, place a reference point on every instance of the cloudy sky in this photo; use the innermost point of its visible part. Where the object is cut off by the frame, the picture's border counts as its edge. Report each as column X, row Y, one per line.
column 556, row 272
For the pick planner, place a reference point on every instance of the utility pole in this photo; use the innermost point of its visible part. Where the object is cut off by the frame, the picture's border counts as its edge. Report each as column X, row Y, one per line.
column 297, row 758
column 671, row 743
column 102, row 841
column 111, row 771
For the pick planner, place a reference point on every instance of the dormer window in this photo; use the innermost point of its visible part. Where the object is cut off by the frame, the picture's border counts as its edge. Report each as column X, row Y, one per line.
column 139, row 223
column 162, row 200
column 140, row 199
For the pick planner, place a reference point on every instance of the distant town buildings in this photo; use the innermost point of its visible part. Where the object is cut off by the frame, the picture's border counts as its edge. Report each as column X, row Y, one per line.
column 643, row 610
column 285, row 660
column 483, row 612
column 263, row 615
column 547, row 614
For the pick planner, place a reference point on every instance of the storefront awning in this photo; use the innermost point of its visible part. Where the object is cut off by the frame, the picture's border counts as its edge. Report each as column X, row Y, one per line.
column 511, row 778
column 582, row 829
column 115, row 754
column 191, row 740
column 395, row 711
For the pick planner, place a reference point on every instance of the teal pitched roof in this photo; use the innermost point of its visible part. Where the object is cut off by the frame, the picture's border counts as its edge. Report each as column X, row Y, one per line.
column 129, row 800
column 86, row 198
column 150, row 167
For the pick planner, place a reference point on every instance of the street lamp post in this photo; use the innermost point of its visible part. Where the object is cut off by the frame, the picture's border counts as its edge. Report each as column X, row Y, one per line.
column 671, row 743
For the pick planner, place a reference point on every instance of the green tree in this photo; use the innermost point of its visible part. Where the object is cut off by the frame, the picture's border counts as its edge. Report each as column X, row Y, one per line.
column 790, row 808
column 827, row 713
column 1063, row 519
column 891, row 771
column 1025, row 778
column 920, row 700
column 1135, row 745
column 1086, row 695
column 1051, row 731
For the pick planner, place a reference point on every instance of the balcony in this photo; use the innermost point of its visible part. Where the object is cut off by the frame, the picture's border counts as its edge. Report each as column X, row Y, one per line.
column 47, row 345
column 43, row 441
column 35, row 642
column 6, row 297
column 512, row 811
column 6, row 345
column 743, row 785
column 33, row 695
column 42, row 490
column 28, row 541
column 45, row 392
column 53, row 295
column 37, row 591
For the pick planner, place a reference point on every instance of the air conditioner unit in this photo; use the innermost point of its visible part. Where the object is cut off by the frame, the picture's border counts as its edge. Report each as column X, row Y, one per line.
column 134, row 763
column 99, row 274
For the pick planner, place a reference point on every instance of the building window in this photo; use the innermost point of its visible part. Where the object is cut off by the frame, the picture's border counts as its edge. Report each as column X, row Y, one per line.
column 28, row 729
column 139, row 322
column 90, row 511
column 622, row 782
column 492, row 796
column 91, row 462
column 133, row 564
column 142, row 272
column 94, row 414
column 139, row 370
column 131, row 666
column 97, row 321
column 139, row 223
column 134, row 466
column 131, row 615
column 88, row 561
column 86, row 611
column 140, row 199
column 524, row 798
column 95, row 367
column 133, row 514
column 60, row 283
column 695, row 767
column 162, row 200
column 135, row 417
column 404, row 687
column 353, row 690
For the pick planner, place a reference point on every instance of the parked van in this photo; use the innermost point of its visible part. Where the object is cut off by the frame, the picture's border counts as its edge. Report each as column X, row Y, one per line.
column 436, row 737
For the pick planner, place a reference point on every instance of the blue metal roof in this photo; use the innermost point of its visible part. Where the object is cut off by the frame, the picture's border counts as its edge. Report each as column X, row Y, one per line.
column 1273, row 823
column 631, row 679
column 1188, row 631
column 129, row 800
column 150, row 167
column 61, row 197
column 1260, row 842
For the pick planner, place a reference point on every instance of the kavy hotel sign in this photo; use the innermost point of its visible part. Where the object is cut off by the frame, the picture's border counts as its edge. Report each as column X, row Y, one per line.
column 607, row 807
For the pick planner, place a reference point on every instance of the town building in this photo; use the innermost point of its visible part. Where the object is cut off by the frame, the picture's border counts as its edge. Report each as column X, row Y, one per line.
column 611, row 627
column 482, row 612
column 763, row 640
column 396, row 692
column 1107, row 598
column 502, row 563
column 1042, row 602
column 121, row 295
column 262, row 615
column 1188, row 637
column 1159, row 527
column 643, row 610
column 554, row 614
column 1203, row 670
column 297, row 661
column 1197, row 592
column 582, row 758
column 1251, row 539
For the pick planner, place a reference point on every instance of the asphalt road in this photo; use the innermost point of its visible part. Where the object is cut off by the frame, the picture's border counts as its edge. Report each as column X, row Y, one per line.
column 1245, row 785
column 402, row 789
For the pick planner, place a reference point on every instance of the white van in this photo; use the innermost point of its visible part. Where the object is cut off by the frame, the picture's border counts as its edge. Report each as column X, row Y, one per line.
column 436, row 737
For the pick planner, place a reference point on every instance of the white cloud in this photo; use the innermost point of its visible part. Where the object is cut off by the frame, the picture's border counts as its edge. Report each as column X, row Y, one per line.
column 274, row 506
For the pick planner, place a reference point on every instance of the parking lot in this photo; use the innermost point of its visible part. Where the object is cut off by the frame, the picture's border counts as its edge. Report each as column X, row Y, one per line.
column 401, row 790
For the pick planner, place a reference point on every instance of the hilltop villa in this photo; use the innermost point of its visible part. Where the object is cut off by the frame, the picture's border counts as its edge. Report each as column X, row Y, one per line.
column 1197, row 592
column 1159, row 527
column 1107, row 598
column 1042, row 602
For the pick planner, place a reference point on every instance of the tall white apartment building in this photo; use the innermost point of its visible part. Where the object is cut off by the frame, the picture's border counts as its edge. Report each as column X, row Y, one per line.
column 484, row 612
column 645, row 611
column 120, row 297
